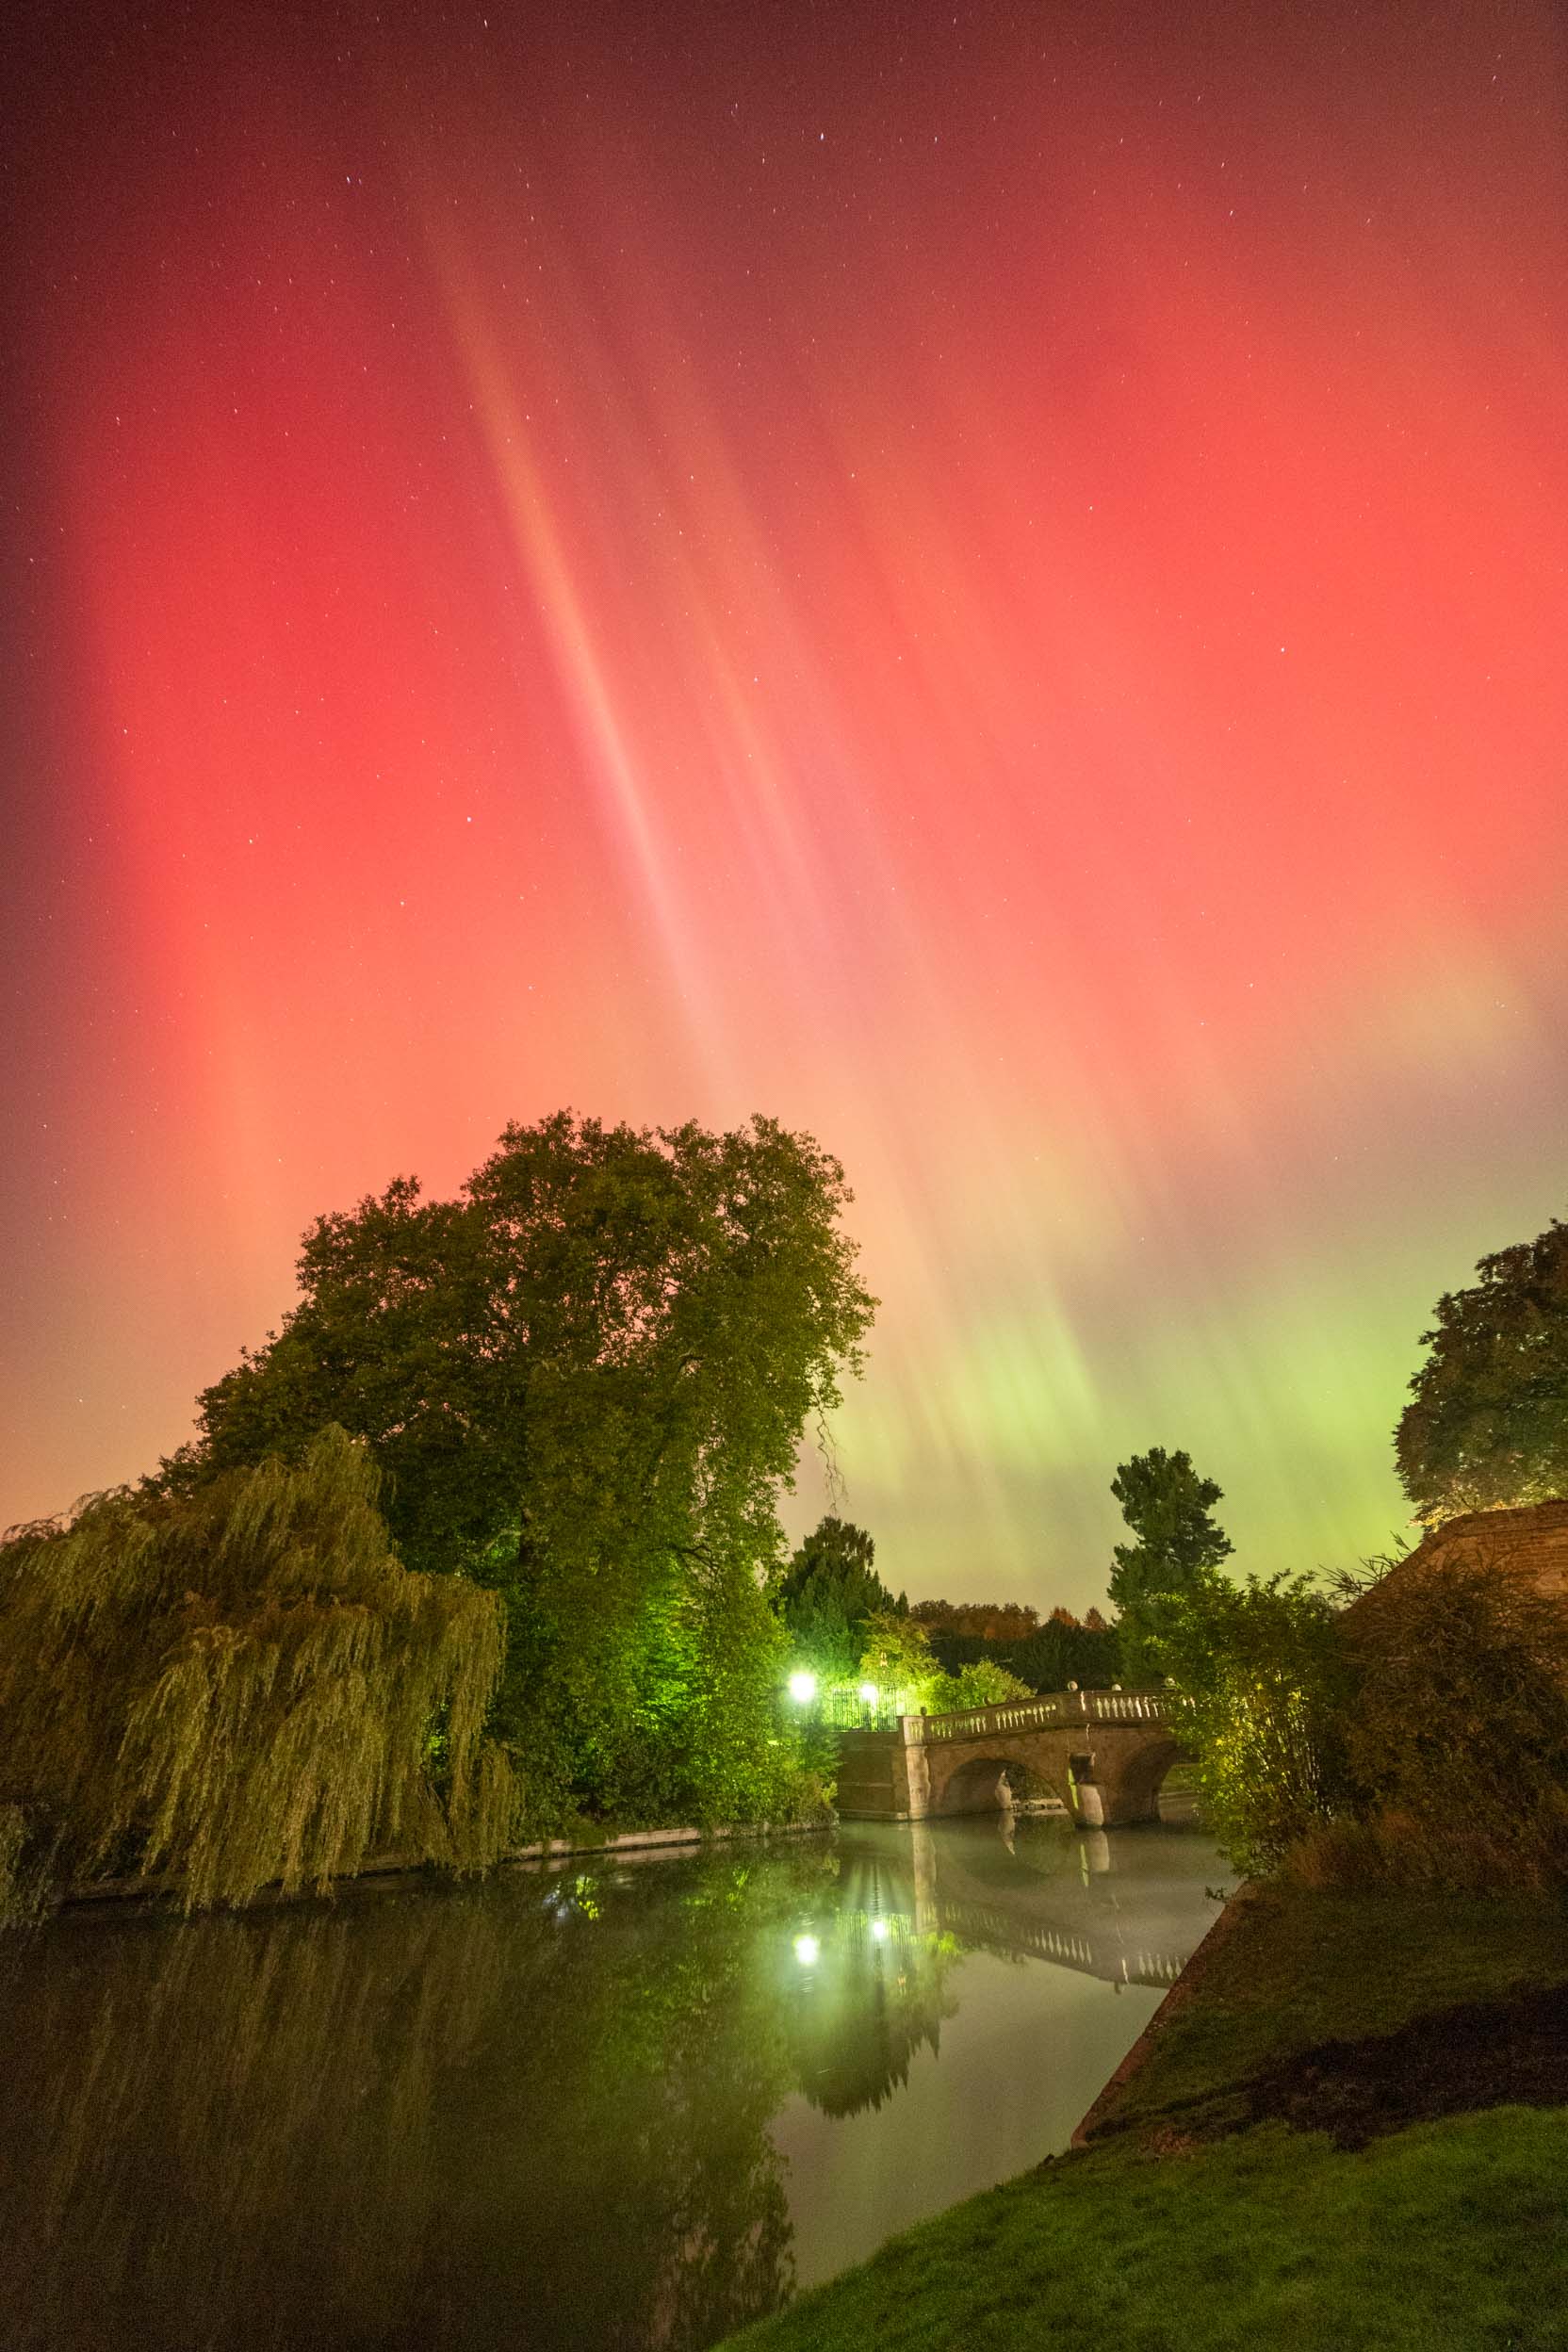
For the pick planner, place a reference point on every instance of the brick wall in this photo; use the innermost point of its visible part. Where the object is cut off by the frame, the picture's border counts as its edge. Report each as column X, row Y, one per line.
column 1531, row 1543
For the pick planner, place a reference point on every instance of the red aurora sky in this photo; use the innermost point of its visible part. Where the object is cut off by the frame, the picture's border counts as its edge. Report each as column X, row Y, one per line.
column 987, row 582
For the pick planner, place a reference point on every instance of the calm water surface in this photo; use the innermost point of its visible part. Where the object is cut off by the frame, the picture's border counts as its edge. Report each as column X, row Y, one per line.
column 620, row 2106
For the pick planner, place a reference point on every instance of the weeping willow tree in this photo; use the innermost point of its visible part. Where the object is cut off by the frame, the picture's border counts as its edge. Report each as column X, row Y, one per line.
column 241, row 1685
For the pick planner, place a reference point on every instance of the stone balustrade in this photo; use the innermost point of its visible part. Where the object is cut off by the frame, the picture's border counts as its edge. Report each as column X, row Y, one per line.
column 1059, row 1710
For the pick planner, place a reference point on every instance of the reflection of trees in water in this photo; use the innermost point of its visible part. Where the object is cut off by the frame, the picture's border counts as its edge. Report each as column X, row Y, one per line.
column 535, row 2110
column 518, row 2113
column 230, row 2116
column 874, row 1995
column 872, row 1992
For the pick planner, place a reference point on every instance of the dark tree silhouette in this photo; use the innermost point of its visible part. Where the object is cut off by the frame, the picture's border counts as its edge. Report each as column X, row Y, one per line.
column 1487, row 1423
column 1178, row 1545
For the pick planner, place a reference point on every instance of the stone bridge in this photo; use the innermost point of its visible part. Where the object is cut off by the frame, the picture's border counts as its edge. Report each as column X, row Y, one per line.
column 1103, row 1752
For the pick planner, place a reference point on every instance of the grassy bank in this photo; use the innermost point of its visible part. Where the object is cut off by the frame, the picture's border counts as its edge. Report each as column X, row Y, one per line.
column 1311, row 2155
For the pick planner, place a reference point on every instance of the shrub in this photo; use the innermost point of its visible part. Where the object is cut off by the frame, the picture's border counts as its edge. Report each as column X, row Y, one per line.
column 1416, row 1738
column 1265, row 1682
column 1456, row 1742
column 982, row 1684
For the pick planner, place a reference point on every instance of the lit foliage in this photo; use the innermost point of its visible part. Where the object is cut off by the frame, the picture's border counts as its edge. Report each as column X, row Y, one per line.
column 242, row 1686
column 586, row 1378
column 897, row 1658
column 1168, row 1508
column 828, row 1594
column 1063, row 1650
column 1487, row 1426
column 1265, row 1682
column 982, row 1684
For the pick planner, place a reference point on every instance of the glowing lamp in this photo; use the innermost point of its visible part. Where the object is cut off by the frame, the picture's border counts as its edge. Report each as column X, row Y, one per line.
column 803, row 1689
column 879, row 1931
column 868, row 1694
column 806, row 1950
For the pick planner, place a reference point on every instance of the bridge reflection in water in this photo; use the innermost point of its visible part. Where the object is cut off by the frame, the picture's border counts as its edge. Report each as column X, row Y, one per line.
column 957, row 2014
column 1048, row 1894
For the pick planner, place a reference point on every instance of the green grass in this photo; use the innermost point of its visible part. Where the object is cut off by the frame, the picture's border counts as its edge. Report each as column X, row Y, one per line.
column 1450, row 2236
column 1303, row 1968
column 1443, row 2238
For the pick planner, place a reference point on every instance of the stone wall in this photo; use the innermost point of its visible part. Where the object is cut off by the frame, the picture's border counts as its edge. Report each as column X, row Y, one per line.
column 881, row 1777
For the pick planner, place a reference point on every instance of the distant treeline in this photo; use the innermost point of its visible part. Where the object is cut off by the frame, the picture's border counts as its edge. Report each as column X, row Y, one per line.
column 995, row 1620
column 1047, row 1657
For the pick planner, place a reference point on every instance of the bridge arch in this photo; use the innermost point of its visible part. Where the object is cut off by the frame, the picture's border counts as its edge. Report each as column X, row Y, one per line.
column 973, row 1782
column 1131, row 1780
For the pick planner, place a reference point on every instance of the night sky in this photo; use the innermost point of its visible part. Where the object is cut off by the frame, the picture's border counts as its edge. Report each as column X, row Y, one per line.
column 987, row 582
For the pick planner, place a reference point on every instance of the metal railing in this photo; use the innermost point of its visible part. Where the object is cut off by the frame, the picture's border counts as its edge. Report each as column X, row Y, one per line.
column 1057, row 1711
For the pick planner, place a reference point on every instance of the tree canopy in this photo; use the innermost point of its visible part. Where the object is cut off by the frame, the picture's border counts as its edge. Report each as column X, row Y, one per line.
column 828, row 1594
column 608, row 1330
column 1167, row 1506
column 1487, row 1425
column 1062, row 1650
column 584, row 1382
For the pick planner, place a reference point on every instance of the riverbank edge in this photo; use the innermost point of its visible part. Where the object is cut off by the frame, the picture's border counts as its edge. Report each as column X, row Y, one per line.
column 629, row 1844
column 1144, row 2216
column 1187, row 1988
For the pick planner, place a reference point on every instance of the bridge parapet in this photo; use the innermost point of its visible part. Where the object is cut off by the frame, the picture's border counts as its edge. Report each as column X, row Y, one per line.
column 1059, row 1710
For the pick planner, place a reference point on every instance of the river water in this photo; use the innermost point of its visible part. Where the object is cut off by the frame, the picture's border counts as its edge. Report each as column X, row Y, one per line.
column 612, row 2105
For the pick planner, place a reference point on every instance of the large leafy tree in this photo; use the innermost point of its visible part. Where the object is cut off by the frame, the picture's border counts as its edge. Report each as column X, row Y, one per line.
column 829, row 1593
column 584, row 1381
column 1177, row 1546
column 1487, row 1425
